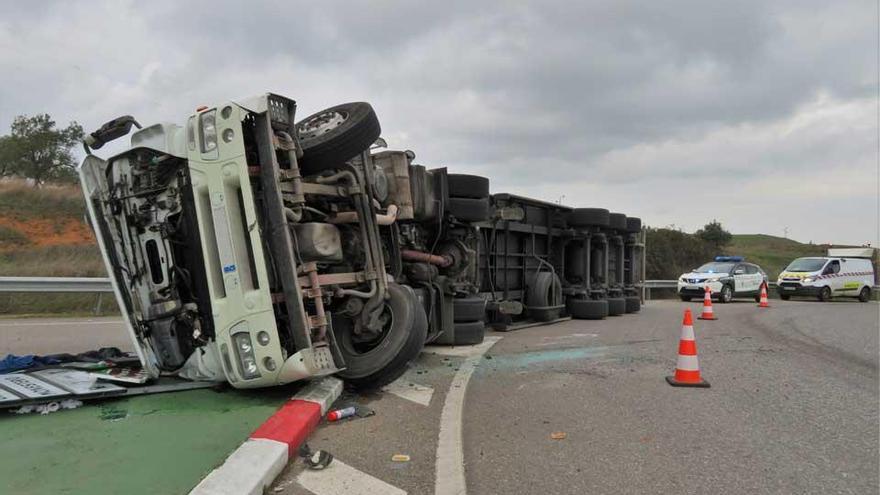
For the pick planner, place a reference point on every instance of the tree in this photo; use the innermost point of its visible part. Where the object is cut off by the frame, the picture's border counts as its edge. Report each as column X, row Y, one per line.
column 36, row 149
column 671, row 252
column 715, row 235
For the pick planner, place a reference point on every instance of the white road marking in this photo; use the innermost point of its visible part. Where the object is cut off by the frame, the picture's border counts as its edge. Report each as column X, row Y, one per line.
column 405, row 389
column 449, row 476
column 460, row 351
column 341, row 479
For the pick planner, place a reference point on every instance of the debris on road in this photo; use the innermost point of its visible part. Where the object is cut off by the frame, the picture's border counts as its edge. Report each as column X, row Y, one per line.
column 341, row 413
column 558, row 435
column 316, row 460
column 400, row 458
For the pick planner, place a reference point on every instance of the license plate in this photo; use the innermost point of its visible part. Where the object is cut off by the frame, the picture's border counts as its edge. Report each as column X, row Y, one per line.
column 788, row 288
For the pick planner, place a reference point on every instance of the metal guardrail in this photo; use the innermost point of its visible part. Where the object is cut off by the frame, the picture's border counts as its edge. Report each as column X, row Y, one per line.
column 55, row 284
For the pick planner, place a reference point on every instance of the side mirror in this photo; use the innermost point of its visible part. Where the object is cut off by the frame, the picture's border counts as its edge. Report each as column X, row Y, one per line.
column 114, row 129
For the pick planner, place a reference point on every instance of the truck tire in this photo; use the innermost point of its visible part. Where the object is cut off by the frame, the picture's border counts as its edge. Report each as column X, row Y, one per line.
column 616, row 306
column 469, row 209
column 469, row 333
column 588, row 217
column 544, row 291
column 633, row 225
column 332, row 136
column 617, row 221
column 865, row 294
column 784, row 297
column 374, row 365
column 685, row 298
column 467, row 186
column 587, row 309
column 633, row 304
column 468, row 309
column 825, row 294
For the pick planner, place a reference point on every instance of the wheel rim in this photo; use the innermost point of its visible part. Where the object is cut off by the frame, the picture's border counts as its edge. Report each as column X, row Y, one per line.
column 322, row 123
column 365, row 347
column 726, row 294
column 826, row 293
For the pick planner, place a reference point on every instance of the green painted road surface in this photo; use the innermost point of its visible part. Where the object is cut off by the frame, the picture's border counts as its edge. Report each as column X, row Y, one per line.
column 156, row 444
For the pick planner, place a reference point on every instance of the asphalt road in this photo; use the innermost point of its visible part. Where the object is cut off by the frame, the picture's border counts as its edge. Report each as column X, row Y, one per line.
column 793, row 408
column 43, row 336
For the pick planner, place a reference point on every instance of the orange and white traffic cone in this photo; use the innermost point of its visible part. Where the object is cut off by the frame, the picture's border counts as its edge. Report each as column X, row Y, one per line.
column 687, row 371
column 764, row 302
column 708, row 312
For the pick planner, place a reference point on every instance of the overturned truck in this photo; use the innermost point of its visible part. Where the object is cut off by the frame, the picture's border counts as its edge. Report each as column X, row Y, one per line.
column 246, row 246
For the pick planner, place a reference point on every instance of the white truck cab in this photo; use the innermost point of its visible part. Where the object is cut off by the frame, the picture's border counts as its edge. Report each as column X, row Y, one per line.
column 845, row 272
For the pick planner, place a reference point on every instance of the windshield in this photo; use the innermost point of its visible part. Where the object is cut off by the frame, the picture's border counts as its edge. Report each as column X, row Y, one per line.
column 715, row 268
column 806, row 265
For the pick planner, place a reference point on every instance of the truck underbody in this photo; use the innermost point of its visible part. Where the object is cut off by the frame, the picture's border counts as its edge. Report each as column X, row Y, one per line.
column 251, row 248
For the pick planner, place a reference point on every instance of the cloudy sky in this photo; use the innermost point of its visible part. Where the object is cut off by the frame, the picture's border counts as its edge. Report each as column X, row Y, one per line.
column 761, row 114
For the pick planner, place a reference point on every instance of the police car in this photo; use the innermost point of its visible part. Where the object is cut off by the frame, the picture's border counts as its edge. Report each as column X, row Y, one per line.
column 727, row 276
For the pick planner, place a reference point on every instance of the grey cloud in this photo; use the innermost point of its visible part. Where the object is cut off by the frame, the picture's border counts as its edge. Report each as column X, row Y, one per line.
column 507, row 89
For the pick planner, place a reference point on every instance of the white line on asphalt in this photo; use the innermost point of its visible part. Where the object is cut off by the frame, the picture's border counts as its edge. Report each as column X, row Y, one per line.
column 459, row 351
column 341, row 479
column 405, row 389
column 449, row 475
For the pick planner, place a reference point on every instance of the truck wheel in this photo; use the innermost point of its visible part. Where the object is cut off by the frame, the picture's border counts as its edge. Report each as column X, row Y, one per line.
column 469, row 333
column 544, row 290
column 332, row 136
column 633, row 225
column 377, row 362
column 469, row 209
column 685, row 298
column 587, row 309
column 617, row 221
column 825, row 294
column 588, row 217
column 865, row 294
column 467, row 186
column 616, row 306
column 726, row 294
column 633, row 304
column 469, row 309
column 784, row 297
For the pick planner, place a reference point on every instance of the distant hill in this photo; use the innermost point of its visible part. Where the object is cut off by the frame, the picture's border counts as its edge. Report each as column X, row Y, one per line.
column 772, row 253
column 43, row 233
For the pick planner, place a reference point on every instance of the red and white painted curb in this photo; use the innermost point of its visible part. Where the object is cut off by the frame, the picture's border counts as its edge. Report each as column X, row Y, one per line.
column 255, row 464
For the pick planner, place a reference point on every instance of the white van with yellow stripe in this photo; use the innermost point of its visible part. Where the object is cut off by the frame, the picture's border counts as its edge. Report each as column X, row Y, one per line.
column 829, row 276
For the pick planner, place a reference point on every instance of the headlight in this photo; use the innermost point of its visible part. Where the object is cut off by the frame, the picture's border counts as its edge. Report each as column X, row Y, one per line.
column 208, row 130
column 808, row 280
column 247, row 361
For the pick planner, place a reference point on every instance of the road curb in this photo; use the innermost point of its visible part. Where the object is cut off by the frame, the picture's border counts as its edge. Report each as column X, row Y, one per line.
column 253, row 466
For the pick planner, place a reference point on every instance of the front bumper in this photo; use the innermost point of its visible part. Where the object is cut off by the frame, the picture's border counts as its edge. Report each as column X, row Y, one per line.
column 698, row 289
column 796, row 289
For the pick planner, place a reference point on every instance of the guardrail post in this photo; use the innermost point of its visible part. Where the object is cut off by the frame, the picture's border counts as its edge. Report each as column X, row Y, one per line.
column 98, row 303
